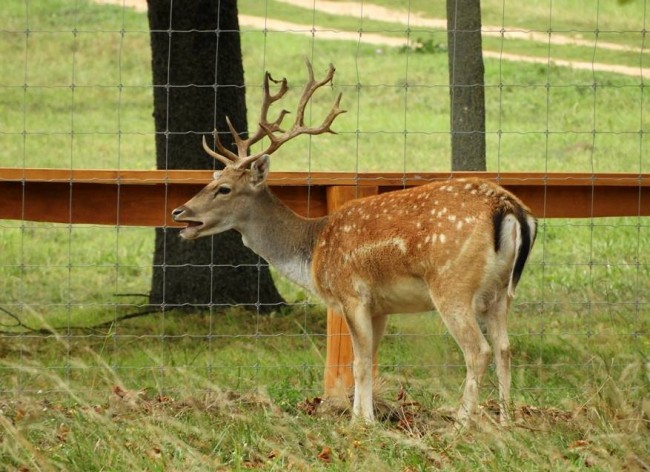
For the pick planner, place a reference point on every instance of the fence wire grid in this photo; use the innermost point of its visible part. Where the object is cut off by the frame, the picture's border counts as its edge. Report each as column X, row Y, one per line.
column 565, row 92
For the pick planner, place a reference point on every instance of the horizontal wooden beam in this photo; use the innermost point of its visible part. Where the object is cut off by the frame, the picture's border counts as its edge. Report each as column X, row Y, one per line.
column 145, row 198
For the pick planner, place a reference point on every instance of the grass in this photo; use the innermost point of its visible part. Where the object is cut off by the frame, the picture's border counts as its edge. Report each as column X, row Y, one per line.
column 235, row 390
column 150, row 395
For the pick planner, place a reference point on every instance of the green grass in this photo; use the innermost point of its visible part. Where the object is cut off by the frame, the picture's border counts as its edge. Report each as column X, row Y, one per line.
column 151, row 395
column 397, row 103
column 234, row 390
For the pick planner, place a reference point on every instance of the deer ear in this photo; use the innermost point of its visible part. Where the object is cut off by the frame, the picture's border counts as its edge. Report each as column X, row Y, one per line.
column 260, row 169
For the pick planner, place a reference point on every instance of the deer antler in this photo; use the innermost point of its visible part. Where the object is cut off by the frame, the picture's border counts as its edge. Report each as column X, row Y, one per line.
column 270, row 129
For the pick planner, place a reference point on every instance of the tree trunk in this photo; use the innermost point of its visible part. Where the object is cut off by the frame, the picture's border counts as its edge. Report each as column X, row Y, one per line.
column 466, row 85
column 198, row 78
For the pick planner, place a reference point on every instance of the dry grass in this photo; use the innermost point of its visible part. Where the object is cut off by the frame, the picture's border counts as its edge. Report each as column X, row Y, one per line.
column 84, row 406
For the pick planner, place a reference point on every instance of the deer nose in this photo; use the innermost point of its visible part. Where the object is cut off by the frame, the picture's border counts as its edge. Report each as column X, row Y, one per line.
column 176, row 213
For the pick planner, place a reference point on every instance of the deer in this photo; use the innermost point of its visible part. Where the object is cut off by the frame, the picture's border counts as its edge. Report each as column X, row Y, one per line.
column 456, row 246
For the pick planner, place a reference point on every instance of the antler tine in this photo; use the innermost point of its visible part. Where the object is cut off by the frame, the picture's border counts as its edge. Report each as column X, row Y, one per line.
column 308, row 91
column 268, row 100
column 241, row 144
column 226, row 157
column 269, row 129
column 240, row 159
column 310, row 87
column 329, row 119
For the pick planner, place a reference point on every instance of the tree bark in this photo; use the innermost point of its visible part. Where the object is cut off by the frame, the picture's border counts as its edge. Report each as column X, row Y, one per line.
column 466, row 85
column 199, row 79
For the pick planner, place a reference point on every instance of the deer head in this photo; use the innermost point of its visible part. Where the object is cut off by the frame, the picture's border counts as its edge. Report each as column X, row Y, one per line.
column 227, row 200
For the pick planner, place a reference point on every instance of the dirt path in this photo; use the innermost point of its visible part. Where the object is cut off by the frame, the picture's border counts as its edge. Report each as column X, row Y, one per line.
column 414, row 19
column 375, row 12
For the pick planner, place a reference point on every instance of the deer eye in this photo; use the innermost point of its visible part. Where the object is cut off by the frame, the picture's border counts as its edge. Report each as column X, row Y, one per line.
column 223, row 190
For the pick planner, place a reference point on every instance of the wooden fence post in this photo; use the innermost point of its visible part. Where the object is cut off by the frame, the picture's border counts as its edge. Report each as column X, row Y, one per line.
column 338, row 362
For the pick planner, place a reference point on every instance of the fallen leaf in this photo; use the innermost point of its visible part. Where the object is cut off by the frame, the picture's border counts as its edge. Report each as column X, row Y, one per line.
column 325, row 455
column 20, row 414
column 578, row 444
column 155, row 453
column 309, row 407
column 164, row 399
column 62, row 433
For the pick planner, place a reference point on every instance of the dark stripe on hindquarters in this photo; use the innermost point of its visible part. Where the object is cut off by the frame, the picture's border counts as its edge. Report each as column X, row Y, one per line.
column 497, row 222
column 525, row 247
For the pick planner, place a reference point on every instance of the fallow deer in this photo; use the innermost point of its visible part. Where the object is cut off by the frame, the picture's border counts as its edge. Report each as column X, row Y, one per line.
column 458, row 246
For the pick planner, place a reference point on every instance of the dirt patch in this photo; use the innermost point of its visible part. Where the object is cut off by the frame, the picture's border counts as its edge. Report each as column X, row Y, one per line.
column 379, row 13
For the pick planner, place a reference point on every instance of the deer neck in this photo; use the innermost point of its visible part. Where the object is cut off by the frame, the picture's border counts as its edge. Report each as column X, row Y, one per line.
column 282, row 237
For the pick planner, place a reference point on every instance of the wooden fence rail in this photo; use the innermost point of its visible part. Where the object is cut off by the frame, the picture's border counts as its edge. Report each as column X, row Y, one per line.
column 146, row 198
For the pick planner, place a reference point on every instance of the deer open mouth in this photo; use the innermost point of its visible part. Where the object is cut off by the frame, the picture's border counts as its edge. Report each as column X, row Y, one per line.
column 192, row 229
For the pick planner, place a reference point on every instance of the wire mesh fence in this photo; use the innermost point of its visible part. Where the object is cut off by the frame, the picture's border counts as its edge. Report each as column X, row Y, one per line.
column 565, row 92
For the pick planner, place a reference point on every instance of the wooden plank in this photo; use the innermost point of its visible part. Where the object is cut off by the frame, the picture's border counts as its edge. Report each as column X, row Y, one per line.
column 89, row 203
column 338, row 361
column 145, row 198
column 123, row 204
column 584, row 201
column 283, row 179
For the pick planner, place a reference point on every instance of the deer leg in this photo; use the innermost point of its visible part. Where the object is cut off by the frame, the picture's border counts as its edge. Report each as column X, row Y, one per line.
column 361, row 331
column 378, row 328
column 496, row 320
column 464, row 328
